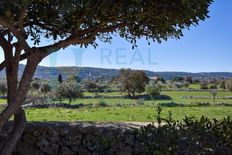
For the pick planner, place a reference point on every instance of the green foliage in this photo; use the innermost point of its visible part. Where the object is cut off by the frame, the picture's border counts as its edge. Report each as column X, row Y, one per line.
column 35, row 85
column 60, row 79
column 229, row 85
column 45, row 88
column 153, row 89
column 90, row 86
column 59, row 18
column 203, row 136
column 223, row 84
column 68, row 90
column 189, row 79
column 132, row 81
column 204, row 84
column 178, row 79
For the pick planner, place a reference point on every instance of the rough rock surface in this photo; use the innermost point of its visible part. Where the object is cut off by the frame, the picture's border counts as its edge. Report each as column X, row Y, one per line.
column 77, row 139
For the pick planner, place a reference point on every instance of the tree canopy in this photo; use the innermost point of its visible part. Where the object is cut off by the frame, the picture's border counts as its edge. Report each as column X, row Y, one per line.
column 82, row 21
column 132, row 81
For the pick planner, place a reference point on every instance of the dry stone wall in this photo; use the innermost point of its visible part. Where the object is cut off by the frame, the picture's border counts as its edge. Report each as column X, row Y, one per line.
column 77, row 139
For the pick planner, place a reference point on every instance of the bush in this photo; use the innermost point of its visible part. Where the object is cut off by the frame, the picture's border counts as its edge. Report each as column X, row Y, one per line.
column 203, row 136
column 102, row 104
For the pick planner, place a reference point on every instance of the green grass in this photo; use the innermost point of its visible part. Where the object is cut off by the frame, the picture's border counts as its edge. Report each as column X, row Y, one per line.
column 177, row 97
column 2, row 101
column 131, row 111
column 194, row 86
column 137, row 114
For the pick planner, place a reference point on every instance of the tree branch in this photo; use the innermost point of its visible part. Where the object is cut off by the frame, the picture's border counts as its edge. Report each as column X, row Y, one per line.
column 76, row 39
column 21, row 18
column 3, row 64
column 17, row 34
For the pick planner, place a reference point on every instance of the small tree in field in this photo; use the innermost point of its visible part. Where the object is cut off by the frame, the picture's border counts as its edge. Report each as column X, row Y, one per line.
column 45, row 88
column 228, row 84
column 90, row 86
column 78, row 22
column 214, row 92
column 132, row 81
column 223, row 84
column 68, row 90
column 153, row 89
column 35, row 85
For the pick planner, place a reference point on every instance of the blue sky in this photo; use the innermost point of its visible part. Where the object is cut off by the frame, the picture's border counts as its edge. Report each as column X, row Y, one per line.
column 207, row 47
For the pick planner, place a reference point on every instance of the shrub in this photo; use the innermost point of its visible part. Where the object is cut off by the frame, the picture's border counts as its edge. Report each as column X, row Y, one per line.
column 203, row 136
column 171, row 104
column 102, row 104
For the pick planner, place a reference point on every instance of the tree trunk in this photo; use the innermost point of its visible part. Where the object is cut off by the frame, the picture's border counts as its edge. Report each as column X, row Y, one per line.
column 70, row 100
column 19, row 126
column 17, row 94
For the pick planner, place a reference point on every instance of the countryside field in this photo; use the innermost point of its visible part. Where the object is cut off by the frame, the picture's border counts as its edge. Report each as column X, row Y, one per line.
column 108, row 108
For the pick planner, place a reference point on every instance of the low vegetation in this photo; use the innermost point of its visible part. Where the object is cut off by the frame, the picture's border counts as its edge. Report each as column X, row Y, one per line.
column 191, row 136
column 75, row 99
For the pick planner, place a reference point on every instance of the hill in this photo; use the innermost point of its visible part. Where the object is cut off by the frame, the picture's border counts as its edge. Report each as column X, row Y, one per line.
column 95, row 73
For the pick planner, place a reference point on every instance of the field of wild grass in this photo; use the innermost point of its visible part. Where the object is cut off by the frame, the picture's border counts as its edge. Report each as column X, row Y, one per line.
column 108, row 108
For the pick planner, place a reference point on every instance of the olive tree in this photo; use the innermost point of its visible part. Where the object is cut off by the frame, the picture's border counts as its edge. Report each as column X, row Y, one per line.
column 24, row 23
column 68, row 90
column 153, row 89
column 132, row 81
column 45, row 88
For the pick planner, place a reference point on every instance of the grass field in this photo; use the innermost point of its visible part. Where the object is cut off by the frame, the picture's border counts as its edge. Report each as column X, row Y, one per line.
column 131, row 110
column 176, row 96
column 135, row 114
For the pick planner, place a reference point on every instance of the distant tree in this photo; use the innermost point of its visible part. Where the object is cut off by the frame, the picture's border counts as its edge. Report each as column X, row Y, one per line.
column 223, row 84
column 186, row 84
column 178, row 79
column 68, row 90
column 3, row 88
column 204, row 84
column 45, row 88
column 35, row 85
column 153, row 89
column 229, row 85
column 132, row 81
column 214, row 92
column 60, row 79
column 74, row 78
column 197, row 81
column 90, row 86
column 189, row 79
column 160, row 79
column 213, row 86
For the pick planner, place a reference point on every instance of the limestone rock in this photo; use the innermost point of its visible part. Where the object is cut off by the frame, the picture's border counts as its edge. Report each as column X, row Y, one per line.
column 47, row 147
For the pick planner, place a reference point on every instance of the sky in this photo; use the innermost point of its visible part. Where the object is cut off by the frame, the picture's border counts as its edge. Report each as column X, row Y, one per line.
column 205, row 48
